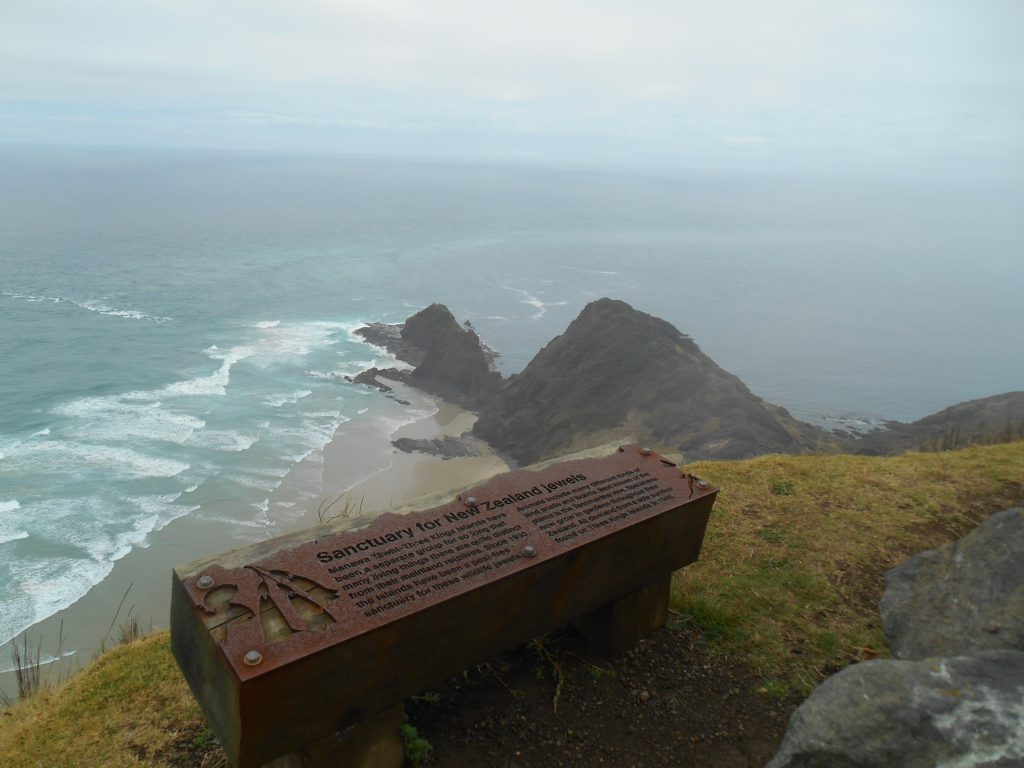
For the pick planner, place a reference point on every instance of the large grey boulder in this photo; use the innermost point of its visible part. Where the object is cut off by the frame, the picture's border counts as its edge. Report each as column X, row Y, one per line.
column 962, row 711
column 965, row 596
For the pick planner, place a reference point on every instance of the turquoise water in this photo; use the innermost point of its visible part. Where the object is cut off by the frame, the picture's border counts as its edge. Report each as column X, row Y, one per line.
column 176, row 324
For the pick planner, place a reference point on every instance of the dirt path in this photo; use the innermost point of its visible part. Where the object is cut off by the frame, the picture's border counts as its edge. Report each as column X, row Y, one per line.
column 666, row 703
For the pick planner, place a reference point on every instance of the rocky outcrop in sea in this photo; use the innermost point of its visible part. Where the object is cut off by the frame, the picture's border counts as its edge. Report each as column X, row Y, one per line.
column 449, row 359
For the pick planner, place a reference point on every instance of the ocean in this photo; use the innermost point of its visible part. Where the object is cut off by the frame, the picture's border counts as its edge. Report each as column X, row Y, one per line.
column 176, row 325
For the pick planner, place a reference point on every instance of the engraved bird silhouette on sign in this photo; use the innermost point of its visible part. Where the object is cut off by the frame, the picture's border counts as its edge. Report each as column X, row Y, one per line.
column 284, row 601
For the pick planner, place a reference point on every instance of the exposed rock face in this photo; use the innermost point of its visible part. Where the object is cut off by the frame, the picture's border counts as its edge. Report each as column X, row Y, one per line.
column 447, row 447
column 390, row 337
column 617, row 371
column 369, row 377
column 966, row 596
column 454, row 365
column 450, row 360
column 958, row 612
column 999, row 418
column 966, row 710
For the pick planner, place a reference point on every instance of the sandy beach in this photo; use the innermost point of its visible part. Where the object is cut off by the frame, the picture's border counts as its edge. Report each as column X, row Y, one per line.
column 349, row 469
column 412, row 475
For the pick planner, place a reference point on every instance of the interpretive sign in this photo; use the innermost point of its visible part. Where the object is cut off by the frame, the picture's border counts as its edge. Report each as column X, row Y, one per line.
column 332, row 626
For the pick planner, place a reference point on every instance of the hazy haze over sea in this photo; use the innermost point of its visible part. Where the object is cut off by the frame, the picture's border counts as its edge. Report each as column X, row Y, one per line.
column 174, row 321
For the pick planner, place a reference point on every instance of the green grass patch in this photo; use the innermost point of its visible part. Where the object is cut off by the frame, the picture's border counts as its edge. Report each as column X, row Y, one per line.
column 417, row 748
column 782, row 487
column 771, row 535
column 789, row 582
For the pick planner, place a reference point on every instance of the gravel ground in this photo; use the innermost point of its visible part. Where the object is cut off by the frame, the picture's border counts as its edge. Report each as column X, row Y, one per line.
column 665, row 703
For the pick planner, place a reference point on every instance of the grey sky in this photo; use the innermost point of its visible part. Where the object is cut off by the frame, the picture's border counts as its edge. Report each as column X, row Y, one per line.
column 734, row 82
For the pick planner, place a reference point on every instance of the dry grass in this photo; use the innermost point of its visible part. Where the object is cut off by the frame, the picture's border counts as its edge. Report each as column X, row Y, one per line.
column 797, row 547
column 954, row 438
column 130, row 631
column 341, row 507
column 788, row 581
column 27, row 668
column 130, row 707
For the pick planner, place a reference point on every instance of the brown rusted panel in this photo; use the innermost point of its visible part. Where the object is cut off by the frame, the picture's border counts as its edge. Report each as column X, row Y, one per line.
column 349, row 624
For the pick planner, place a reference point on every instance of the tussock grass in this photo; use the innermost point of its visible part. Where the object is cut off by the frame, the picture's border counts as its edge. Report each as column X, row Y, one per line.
column 797, row 547
column 955, row 437
column 27, row 663
column 788, row 582
column 130, row 631
column 341, row 507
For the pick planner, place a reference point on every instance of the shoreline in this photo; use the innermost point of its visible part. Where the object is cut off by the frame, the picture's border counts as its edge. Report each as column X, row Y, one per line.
column 348, row 466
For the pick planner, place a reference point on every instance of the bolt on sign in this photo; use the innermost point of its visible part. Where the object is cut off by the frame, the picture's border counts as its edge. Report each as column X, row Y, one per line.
column 289, row 641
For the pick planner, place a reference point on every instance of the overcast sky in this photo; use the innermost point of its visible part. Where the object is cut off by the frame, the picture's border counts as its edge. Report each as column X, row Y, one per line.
column 772, row 83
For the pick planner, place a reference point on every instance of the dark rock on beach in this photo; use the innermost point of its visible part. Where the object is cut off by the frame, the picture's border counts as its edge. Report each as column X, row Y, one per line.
column 447, row 447
column 369, row 377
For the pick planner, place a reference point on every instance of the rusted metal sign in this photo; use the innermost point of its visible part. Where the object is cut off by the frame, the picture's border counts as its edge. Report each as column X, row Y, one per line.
column 552, row 544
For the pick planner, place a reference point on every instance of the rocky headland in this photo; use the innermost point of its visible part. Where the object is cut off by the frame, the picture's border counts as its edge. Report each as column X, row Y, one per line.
column 999, row 418
column 614, row 372
column 618, row 373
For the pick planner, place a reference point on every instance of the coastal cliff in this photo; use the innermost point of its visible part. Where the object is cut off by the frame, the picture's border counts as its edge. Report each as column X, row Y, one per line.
column 618, row 371
column 996, row 419
column 614, row 373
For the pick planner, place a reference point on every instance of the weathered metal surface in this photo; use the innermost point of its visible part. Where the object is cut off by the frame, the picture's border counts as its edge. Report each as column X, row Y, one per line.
column 519, row 554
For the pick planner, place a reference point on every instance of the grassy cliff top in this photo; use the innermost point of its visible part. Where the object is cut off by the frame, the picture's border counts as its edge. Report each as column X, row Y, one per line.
column 788, row 584
column 796, row 551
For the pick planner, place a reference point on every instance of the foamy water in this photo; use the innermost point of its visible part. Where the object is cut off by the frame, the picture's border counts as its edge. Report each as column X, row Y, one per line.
column 108, row 471
column 88, row 305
